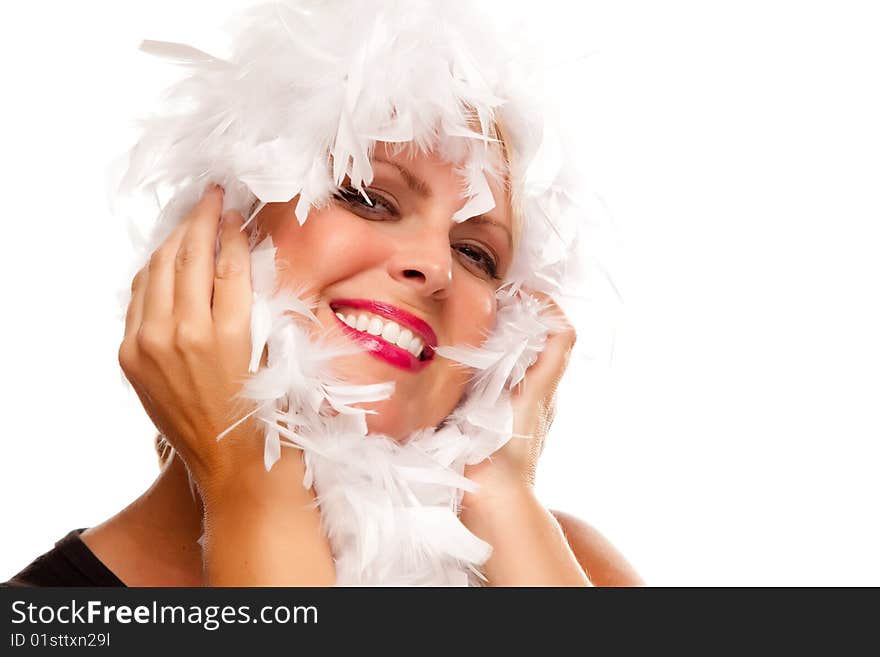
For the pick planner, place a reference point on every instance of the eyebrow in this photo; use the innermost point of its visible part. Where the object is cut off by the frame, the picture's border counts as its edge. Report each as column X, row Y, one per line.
column 420, row 187
column 483, row 219
column 415, row 183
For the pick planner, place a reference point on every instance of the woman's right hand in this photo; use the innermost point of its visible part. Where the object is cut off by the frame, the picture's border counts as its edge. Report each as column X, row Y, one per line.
column 186, row 352
column 187, row 342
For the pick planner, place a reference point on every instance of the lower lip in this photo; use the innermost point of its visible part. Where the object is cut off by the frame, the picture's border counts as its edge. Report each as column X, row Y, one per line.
column 383, row 350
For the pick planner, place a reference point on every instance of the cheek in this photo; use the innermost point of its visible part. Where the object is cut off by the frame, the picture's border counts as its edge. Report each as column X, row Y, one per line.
column 470, row 318
column 472, row 315
column 329, row 247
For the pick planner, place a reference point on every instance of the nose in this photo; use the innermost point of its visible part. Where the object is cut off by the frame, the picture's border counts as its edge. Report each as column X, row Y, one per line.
column 425, row 268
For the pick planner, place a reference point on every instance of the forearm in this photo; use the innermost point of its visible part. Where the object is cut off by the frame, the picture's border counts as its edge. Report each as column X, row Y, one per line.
column 529, row 548
column 264, row 530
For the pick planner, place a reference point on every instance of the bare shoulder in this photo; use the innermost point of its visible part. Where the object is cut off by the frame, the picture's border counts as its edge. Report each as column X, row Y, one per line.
column 603, row 563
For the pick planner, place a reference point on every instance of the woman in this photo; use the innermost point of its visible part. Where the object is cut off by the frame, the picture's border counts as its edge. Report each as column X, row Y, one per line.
column 405, row 348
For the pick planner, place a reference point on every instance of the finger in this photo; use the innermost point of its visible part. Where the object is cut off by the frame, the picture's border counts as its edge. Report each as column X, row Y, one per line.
column 552, row 313
column 158, row 302
column 233, row 294
column 543, row 376
column 194, row 262
column 135, row 312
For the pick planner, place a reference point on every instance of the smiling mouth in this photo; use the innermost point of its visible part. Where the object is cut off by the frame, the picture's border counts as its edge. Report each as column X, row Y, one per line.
column 391, row 334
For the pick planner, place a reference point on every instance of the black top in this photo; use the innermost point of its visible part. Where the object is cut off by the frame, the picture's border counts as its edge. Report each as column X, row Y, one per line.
column 69, row 563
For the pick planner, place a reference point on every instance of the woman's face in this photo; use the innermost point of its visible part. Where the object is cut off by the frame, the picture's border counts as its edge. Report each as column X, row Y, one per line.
column 400, row 271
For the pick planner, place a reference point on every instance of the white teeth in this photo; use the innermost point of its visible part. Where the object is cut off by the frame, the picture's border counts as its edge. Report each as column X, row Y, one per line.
column 404, row 339
column 375, row 327
column 415, row 348
column 390, row 332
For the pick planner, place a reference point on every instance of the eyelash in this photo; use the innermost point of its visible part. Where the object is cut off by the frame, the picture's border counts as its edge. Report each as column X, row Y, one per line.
column 352, row 197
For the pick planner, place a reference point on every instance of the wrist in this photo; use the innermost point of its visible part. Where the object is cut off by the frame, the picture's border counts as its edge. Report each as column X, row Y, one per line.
column 496, row 497
column 263, row 529
column 528, row 546
column 252, row 484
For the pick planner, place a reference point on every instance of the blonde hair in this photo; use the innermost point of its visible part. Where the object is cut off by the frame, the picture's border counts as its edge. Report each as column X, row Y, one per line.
column 514, row 193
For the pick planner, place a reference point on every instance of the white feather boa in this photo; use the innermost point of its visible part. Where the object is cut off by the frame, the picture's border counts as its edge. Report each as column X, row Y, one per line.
column 389, row 508
column 294, row 110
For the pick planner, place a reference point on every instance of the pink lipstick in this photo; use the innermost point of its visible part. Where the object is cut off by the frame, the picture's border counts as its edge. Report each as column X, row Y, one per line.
column 384, row 349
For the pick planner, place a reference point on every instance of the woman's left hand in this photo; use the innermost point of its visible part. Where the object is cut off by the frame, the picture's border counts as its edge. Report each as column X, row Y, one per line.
column 534, row 407
column 528, row 545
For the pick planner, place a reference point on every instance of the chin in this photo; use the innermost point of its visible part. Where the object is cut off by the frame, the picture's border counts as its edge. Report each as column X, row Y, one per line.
column 399, row 421
column 390, row 420
column 386, row 424
column 406, row 411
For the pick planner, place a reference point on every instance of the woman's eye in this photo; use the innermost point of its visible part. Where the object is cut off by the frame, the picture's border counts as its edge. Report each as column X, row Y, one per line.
column 480, row 258
column 372, row 204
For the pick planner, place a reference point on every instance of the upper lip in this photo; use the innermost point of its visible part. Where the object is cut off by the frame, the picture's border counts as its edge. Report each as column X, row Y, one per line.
column 383, row 309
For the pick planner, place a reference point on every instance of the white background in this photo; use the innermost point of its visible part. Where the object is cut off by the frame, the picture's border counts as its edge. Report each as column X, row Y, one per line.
column 731, row 434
